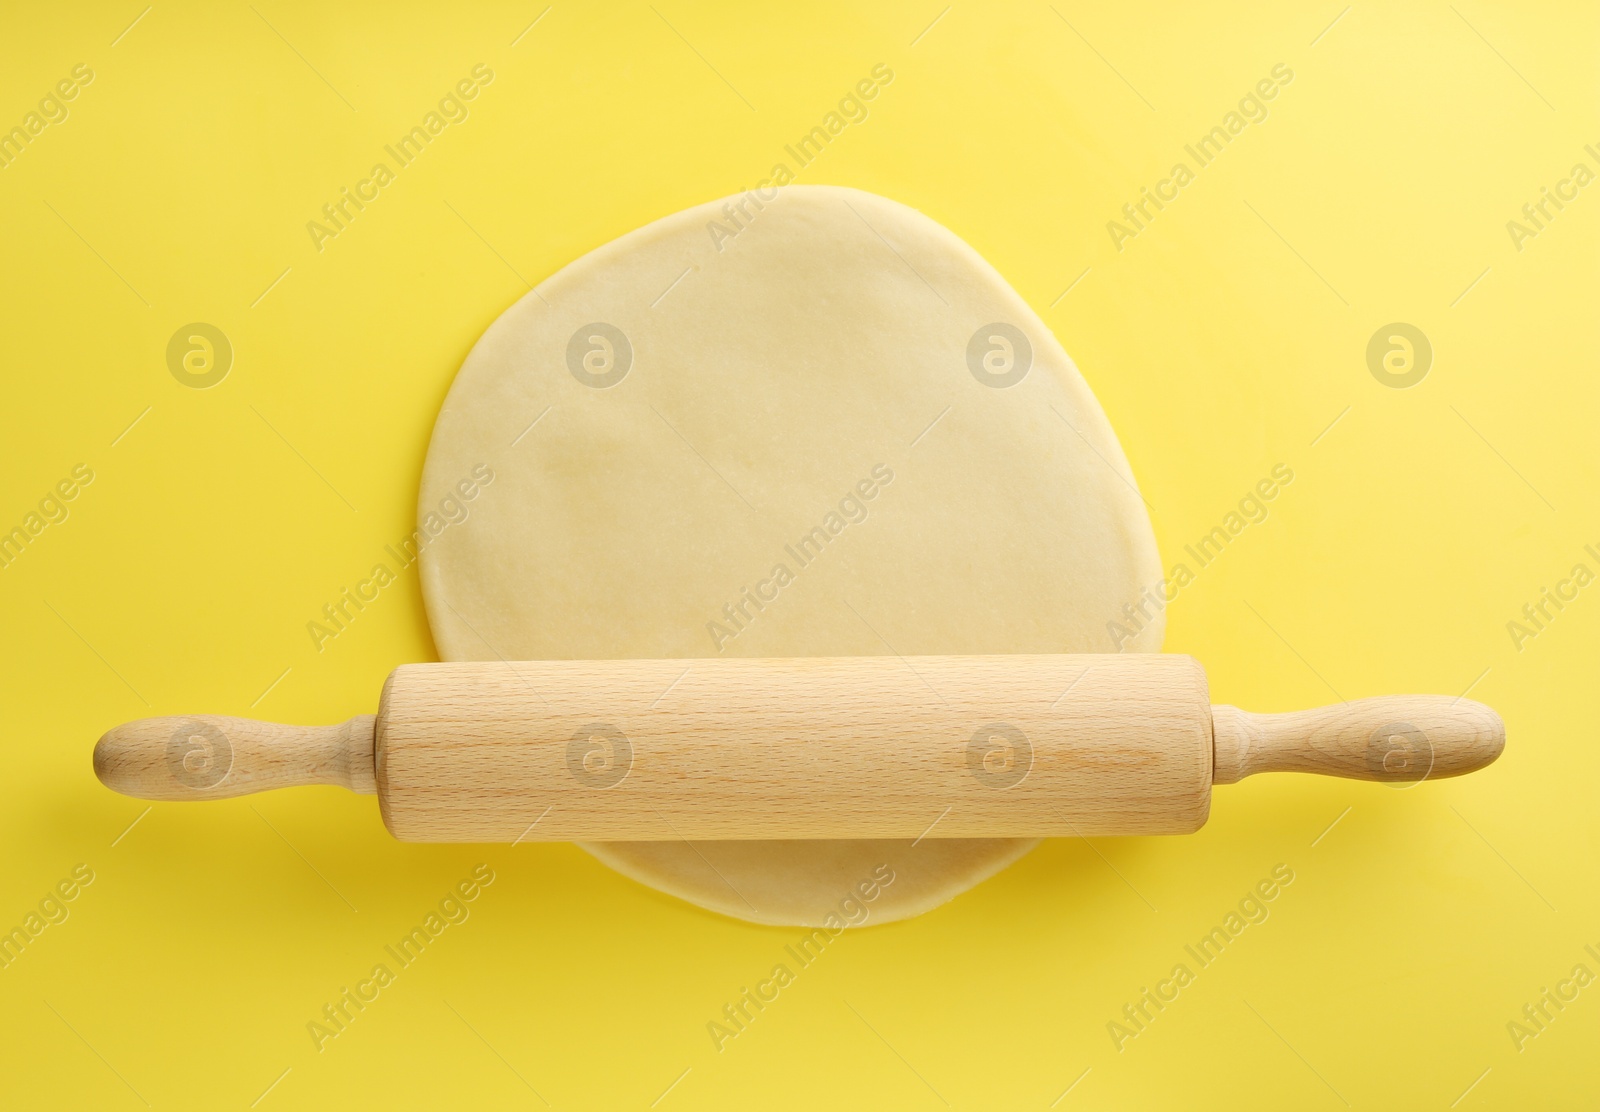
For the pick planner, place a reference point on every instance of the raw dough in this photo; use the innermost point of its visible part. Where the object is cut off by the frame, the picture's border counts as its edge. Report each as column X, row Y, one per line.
column 665, row 420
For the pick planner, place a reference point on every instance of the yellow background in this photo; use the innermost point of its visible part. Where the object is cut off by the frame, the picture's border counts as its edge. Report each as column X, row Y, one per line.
column 1225, row 338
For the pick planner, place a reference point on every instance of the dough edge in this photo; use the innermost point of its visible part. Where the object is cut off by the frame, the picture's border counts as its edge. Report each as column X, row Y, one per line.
column 952, row 866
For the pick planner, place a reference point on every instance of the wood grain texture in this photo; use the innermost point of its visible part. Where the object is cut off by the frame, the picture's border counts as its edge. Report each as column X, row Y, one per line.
column 798, row 748
column 209, row 756
column 1391, row 738
column 862, row 747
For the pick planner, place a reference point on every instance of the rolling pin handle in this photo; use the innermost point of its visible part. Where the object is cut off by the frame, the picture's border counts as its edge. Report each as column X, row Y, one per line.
column 213, row 757
column 1390, row 739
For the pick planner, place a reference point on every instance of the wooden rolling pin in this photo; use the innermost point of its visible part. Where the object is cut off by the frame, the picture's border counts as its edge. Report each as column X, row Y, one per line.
column 856, row 747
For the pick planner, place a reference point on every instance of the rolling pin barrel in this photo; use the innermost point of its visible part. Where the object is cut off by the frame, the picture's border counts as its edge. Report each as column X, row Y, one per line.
column 861, row 747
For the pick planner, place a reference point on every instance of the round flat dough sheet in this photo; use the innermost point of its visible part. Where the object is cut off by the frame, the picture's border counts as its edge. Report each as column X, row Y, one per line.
column 814, row 423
